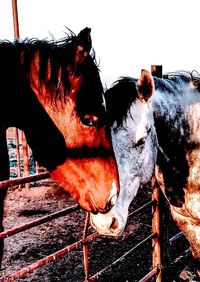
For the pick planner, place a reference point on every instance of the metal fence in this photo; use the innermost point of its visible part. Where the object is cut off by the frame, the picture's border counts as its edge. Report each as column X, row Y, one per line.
column 154, row 236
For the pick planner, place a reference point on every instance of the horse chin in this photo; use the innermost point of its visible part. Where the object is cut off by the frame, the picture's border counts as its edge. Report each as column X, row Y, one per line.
column 107, row 224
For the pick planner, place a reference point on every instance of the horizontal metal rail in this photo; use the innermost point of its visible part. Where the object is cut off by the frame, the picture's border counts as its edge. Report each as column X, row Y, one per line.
column 175, row 237
column 38, row 221
column 151, row 274
column 153, row 202
column 104, row 270
column 52, row 216
column 26, row 179
column 22, row 272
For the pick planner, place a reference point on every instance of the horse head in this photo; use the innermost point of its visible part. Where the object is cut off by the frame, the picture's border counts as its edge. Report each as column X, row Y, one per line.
column 135, row 145
column 65, row 122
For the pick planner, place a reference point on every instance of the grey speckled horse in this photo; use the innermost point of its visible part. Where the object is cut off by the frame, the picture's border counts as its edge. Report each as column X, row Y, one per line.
column 156, row 128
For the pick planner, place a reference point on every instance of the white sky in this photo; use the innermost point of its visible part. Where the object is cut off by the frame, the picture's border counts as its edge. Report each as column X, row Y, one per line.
column 127, row 35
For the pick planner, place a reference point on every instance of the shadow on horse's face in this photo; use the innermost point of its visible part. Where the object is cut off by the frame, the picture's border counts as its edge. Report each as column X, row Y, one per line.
column 135, row 146
column 65, row 122
column 89, row 172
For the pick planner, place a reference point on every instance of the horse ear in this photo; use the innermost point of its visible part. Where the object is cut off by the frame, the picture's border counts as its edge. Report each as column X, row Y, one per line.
column 83, row 45
column 145, row 86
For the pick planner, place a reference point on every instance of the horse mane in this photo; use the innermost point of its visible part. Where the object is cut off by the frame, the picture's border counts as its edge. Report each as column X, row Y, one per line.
column 175, row 81
column 49, row 50
column 123, row 92
column 17, row 56
column 119, row 98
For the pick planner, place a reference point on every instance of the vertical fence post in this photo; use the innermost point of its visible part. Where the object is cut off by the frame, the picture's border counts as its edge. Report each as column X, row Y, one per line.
column 156, row 70
column 24, row 142
column 25, row 157
column 17, row 152
column 156, row 245
column 85, row 247
column 16, row 34
column 15, row 18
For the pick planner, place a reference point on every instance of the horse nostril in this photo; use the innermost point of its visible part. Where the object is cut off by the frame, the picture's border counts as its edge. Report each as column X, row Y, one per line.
column 94, row 212
column 114, row 223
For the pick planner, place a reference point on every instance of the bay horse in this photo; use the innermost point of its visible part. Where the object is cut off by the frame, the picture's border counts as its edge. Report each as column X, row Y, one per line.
column 52, row 91
column 155, row 126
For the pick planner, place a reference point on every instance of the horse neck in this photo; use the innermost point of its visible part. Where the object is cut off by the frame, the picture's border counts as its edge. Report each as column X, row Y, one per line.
column 175, row 117
column 169, row 111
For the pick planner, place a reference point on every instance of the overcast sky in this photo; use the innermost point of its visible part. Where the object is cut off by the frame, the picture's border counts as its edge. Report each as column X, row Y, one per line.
column 127, row 35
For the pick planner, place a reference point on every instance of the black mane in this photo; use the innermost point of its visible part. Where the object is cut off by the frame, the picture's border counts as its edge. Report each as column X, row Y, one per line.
column 174, row 82
column 119, row 98
column 123, row 92
column 58, row 52
column 16, row 57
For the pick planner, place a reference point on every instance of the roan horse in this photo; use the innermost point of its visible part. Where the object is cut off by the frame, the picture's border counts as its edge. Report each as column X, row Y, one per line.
column 156, row 127
column 52, row 91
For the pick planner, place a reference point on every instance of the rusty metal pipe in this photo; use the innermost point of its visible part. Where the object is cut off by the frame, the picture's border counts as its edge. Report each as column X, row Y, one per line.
column 25, row 157
column 104, row 270
column 151, row 274
column 48, row 259
column 38, row 221
column 23, row 138
column 175, row 237
column 17, row 152
column 156, row 245
column 86, row 247
column 22, row 180
column 142, row 208
column 16, row 35
column 15, row 18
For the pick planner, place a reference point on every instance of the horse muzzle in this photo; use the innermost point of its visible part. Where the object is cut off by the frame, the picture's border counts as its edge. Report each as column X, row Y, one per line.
column 110, row 224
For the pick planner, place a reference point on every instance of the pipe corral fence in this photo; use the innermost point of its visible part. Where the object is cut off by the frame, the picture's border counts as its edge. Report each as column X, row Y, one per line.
column 25, row 178
column 154, row 236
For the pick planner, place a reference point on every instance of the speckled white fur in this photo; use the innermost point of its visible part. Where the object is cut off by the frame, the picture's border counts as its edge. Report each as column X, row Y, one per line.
column 189, row 102
column 136, row 164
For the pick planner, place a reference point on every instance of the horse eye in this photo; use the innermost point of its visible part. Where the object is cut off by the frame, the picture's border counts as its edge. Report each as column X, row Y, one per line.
column 89, row 120
column 140, row 142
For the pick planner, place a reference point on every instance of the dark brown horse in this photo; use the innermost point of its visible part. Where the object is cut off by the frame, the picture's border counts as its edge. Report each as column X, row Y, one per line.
column 52, row 91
